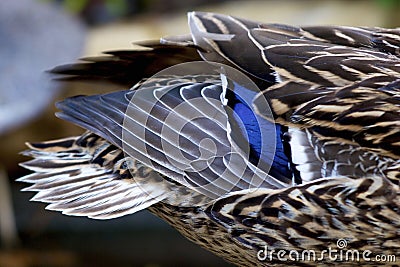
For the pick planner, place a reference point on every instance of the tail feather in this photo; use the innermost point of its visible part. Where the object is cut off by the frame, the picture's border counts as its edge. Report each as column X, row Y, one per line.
column 129, row 66
column 87, row 176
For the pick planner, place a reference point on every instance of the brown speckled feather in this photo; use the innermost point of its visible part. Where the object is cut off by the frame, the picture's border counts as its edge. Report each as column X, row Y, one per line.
column 335, row 94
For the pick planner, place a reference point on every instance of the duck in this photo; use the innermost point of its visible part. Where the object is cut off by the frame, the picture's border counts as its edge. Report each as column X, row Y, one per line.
column 263, row 143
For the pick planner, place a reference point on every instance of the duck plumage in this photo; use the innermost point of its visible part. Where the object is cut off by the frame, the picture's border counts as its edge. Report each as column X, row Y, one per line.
column 195, row 148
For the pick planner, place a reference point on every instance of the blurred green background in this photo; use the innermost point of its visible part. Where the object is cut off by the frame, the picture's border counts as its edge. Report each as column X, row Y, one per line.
column 37, row 35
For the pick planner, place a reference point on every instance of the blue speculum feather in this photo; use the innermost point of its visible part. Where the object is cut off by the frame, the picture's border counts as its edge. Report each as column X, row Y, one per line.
column 251, row 129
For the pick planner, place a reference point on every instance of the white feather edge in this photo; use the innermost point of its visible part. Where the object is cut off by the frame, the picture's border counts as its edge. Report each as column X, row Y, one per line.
column 86, row 189
column 303, row 155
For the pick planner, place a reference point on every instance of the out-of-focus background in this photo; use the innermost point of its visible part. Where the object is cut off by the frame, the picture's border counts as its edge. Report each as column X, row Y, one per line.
column 38, row 35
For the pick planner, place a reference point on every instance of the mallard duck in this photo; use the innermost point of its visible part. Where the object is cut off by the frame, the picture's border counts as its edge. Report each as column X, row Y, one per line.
column 285, row 140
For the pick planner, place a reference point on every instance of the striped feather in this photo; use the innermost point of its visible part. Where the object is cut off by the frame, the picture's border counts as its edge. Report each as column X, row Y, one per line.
column 86, row 176
column 315, row 215
column 334, row 94
column 148, row 122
